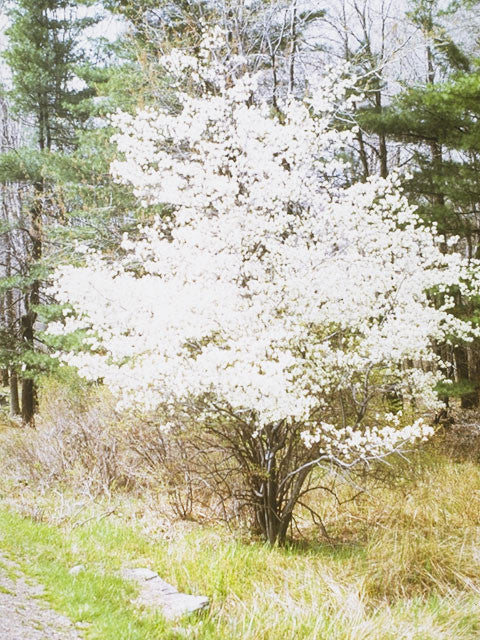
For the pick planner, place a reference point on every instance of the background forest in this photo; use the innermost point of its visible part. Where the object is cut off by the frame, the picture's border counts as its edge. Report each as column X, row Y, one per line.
column 360, row 523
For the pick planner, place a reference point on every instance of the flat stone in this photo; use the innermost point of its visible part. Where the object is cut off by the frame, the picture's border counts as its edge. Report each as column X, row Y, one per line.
column 155, row 592
column 78, row 568
column 140, row 575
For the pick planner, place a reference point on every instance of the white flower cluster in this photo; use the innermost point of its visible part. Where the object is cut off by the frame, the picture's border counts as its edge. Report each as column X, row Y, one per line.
column 211, row 69
column 353, row 443
column 272, row 287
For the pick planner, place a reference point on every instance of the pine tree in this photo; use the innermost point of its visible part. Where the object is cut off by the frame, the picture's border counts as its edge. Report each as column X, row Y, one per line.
column 43, row 56
column 438, row 122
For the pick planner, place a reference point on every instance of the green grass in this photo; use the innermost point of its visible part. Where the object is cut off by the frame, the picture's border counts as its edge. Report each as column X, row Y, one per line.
column 5, row 590
column 96, row 596
column 408, row 568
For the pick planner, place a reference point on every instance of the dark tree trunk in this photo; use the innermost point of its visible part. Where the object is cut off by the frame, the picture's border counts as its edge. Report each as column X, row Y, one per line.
column 293, row 48
column 468, row 400
column 273, row 528
column 275, row 82
column 28, row 384
column 32, row 299
column 28, row 401
column 274, row 513
column 363, row 155
column 14, row 399
column 277, row 485
column 382, row 141
column 266, row 469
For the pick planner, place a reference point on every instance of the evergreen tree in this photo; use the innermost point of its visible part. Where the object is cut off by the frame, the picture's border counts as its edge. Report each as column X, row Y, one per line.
column 43, row 55
column 438, row 124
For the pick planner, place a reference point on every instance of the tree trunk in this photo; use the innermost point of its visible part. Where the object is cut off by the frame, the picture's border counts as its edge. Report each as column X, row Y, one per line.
column 32, row 299
column 273, row 528
column 277, row 485
column 14, row 399
column 468, row 400
column 363, row 155
column 28, row 401
column 473, row 400
column 382, row 142
column 28, row 384
column 293, row 48
column 11, row 321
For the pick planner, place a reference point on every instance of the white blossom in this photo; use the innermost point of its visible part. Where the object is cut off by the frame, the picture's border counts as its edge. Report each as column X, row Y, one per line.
column 273, row 287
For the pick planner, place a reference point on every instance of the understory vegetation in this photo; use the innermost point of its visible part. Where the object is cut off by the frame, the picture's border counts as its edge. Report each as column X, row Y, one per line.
column 401, row 560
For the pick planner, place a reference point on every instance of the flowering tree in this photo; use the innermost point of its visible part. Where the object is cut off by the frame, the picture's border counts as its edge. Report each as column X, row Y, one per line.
column 279, row 305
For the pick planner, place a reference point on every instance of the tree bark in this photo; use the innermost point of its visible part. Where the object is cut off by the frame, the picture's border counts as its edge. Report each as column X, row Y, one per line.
column 28, row 401
column 382, row 142
column 32, row 299
column 14, row 399
column 468, row 400
column 11, row 314
column 293, row 48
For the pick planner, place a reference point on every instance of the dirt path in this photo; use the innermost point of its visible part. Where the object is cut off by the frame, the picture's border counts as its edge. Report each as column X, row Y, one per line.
column 23, row 616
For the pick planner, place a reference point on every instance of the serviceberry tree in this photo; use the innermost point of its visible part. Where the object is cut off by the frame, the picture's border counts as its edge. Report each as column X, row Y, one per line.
column 277, row 305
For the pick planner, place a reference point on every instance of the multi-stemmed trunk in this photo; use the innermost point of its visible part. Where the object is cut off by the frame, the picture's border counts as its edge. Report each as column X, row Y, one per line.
column 274, row 465
column 273, row 508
